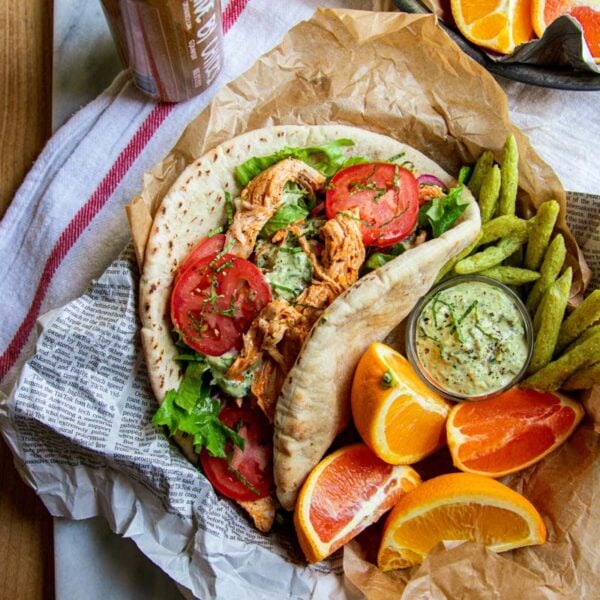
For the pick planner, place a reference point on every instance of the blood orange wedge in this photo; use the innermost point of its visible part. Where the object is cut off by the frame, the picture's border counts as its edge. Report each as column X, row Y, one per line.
column 511, row 431
column 499, row 25
column 454, row 507
column 586, row 12
column 396, row 414
column 344, row 494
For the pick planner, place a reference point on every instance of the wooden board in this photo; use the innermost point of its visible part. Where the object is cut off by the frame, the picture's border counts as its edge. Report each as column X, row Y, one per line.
column 25, row 89
column 26, row 549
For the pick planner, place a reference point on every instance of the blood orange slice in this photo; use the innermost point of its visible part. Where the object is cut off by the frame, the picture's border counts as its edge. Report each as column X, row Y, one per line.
column 587, row 12
column 511, row 431
column 345, row 493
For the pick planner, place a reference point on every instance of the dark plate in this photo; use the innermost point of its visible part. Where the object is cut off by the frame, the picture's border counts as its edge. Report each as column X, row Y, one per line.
column 562, row 79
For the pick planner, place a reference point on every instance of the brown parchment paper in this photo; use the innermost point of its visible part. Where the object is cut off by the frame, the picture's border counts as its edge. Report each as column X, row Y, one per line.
column 399, row 75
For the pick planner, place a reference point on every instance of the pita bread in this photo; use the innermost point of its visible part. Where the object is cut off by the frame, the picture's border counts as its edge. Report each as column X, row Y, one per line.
column 314, row 404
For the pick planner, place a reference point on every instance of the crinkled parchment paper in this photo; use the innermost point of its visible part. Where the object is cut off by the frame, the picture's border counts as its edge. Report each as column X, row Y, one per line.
column 79, row 419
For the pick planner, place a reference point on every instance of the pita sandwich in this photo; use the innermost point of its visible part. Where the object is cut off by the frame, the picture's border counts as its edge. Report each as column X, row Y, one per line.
column 313, row 406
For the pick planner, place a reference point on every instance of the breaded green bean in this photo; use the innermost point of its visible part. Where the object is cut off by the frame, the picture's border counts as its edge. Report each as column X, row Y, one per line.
column 511, row 275
column 586, row 335
column 583, row 317
column 583, row 379
column 554, row 374
column 482, row 166
column 502, row 227
column 541, row 231
column 489, row 193
column 549, row 271
column 509, row 181
column 464, row 253
column 492, row 256
column 551, row 312
column 537, row 318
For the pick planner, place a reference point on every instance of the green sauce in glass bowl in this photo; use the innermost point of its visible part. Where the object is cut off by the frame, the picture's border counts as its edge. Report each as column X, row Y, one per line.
column 470, row 338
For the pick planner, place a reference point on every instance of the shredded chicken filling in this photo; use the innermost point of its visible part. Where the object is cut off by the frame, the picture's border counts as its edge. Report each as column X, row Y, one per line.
column 274, row 340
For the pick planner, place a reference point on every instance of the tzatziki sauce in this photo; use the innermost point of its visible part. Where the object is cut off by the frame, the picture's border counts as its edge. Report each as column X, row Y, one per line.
column 470, row 339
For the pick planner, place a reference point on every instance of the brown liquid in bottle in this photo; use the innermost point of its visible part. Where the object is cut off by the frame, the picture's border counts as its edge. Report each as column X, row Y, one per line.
column 173, row 47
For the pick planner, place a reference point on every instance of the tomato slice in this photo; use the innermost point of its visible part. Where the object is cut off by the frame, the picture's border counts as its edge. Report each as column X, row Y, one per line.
column 386, row 195
column 207, row 246
column 215, row 300
column 254, row 463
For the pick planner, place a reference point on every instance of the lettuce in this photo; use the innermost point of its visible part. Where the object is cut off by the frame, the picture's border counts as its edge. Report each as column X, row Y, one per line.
column 194, row 410
column 327, row 158
column 296, row 205
column 440, row 214
column 378, row 259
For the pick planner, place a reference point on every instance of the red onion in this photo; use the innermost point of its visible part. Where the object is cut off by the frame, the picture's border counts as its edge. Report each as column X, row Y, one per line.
column 428, row 179
column 319, row 208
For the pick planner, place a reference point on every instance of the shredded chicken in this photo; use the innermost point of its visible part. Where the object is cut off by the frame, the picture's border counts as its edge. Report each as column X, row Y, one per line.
column 266, row 384
column 265, row 333
column 344, row 251
column 419, row 239
column 313, row 300
column 262, row 197
column 429, row 192
column 276, row 335
column 342, row 256
column 262, row 512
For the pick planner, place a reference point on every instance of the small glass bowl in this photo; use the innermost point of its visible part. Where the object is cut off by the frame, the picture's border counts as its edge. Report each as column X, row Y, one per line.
column 411, row 337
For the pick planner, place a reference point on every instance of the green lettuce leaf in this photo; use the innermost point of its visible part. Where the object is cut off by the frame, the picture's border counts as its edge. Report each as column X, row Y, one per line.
column 327, row 158
column 378, row 259
column 296, row 204
column 194, row 410
column 440, row 214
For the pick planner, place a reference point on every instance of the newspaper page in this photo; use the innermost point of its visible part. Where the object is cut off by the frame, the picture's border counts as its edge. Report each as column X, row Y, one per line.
column 79, row 423
column 584, row 221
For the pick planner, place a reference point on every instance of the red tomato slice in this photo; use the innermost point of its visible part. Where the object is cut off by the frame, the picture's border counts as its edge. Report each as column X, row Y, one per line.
column 205, row 247
column 386, row 195
column 215, row 300
column 254, row 463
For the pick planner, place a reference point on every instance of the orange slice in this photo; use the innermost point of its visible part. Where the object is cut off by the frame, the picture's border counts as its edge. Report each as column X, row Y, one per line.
column 456, row 507
column 586, row 12
column 344, row 494
column 511, row 431
column 499, row 25
column 396, row 414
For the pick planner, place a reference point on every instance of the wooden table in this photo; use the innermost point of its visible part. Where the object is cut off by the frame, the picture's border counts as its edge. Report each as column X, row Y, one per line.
column 26, row 549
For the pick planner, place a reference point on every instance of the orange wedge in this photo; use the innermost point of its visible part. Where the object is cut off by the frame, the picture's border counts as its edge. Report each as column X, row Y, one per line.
column 511, row 431
column 396, row 414
column 457, row 507
column 499, row 25
column 586, row 12
column 344, row 494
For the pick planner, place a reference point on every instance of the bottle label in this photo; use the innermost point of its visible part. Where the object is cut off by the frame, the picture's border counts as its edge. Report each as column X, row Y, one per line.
column 173, row 47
